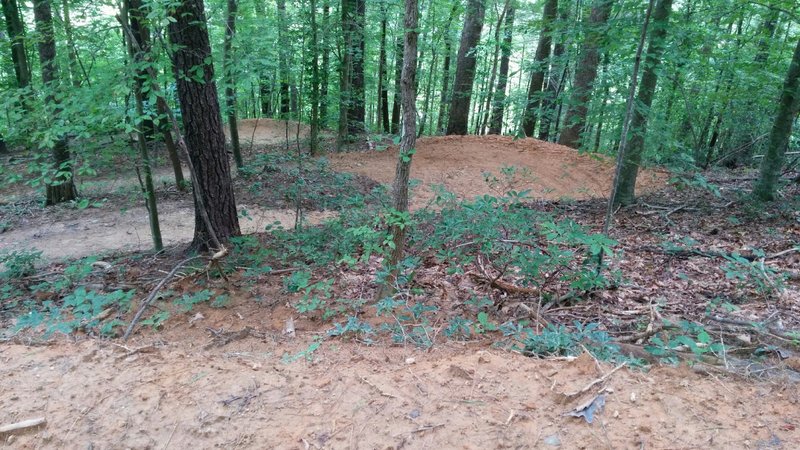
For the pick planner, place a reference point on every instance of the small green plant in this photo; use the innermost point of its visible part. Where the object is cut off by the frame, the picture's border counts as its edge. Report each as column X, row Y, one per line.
column 353, row 327
column 689, row 336
column 763, row 278
column 81, row 309
column 19, row 263
column 186, row 302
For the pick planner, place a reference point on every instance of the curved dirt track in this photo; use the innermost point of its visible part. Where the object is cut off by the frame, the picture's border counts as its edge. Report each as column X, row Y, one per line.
column 459, row 163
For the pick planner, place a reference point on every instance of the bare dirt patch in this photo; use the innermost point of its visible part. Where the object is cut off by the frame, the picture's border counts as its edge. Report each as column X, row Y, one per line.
column 78, row 233
column 459, row 162
column 268, row 131
column 166, row 393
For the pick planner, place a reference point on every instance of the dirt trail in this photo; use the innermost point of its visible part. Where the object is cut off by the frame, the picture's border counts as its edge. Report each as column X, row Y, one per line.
column 459, row 163
column 182, row 394
column 80, row 233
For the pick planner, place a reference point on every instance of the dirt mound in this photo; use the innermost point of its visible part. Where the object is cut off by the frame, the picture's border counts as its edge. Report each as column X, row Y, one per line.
column 267, row 131
column 460, row 162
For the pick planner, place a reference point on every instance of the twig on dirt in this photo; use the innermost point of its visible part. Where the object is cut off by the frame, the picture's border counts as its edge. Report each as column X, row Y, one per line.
column 373, row 386
column 132, row 351
column 596, row 382
column 166, row 444
column 426, row 428
column 30, row 423
column 152, row 296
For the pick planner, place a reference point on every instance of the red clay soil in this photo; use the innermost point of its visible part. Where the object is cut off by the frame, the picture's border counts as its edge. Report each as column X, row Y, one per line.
column 460, row 163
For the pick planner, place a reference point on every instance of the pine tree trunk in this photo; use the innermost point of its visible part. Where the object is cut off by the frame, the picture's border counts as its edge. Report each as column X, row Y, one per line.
column 407, row 144
column 230, row 82
column 540, row 60
column 62, row 188
column 767, row 184
column 465, row 68
column 585, row 75
column 496, row 125
column 633, row 154
column 203, row 125
column 16, row 34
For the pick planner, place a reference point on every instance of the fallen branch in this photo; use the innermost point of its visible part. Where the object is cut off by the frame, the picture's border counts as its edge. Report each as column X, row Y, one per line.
column 30, row 423
column 596, row 382
column 152, row 296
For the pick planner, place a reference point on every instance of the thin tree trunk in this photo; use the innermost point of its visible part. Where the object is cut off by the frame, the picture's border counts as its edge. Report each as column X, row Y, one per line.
column 767, row 184
column 397, row 75
column 203, row 124
column 445, row 97
column 428, row 88
column 627, row 183
column 383, row 90
column 585, row 75
column 283, row 60
column 555, row 84
column 465, row 68
column 230, row 82
column 72, row 54
column 487, row 109
column 407, row 144
column 133, row 14
column 540, row 60
column 314, row 135
column 496, row 125
column 62, row 188
column 323, row 94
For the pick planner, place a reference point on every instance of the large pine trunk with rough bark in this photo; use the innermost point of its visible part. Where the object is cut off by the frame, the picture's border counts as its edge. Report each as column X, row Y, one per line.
column 465, row 68
column 202, row 124
column 16, row 34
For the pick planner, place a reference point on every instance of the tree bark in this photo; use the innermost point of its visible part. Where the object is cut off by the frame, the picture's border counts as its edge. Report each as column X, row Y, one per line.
column 555, row 84
column 383, row 90
column 585, row 75
column 230, row 81
column 397, row 75
column 767, row 184
column 496, row 125
column 283, row 60
column 633, row 156
column 407, row 143
column 445, row 97
column 465, row 68
column 62, row 187
column 483, row 119
column 323, row 94
column 203, row 125
column 72, row 52
column 16, row 34
column 314, row 134
column 132, row 14
column 540, row 60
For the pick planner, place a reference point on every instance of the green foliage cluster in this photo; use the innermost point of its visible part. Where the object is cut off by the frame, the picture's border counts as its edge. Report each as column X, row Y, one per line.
column 516, row 240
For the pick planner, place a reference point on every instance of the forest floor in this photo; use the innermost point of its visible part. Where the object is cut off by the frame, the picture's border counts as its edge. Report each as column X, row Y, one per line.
column 250, row 372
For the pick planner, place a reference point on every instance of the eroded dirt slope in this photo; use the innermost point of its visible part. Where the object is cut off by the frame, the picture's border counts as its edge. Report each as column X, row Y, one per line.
column 184, row 394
